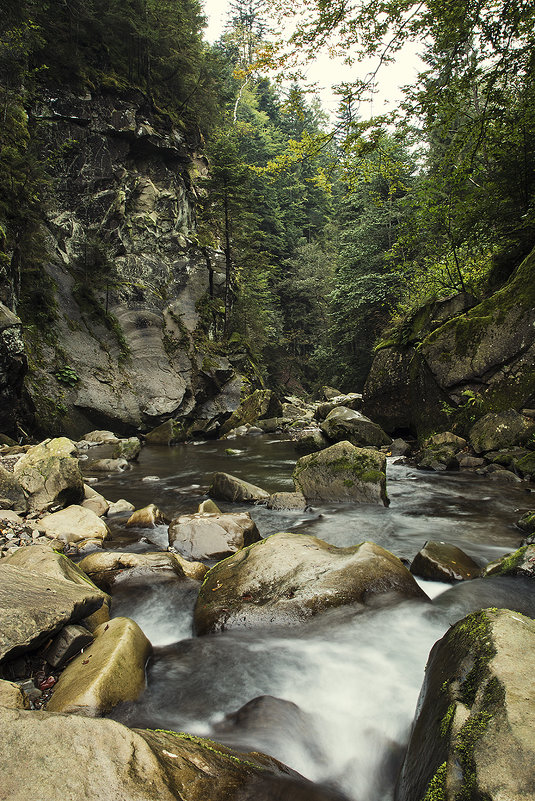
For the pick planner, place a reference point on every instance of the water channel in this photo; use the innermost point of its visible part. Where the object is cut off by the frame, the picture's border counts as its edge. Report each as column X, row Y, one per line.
column 341, row 689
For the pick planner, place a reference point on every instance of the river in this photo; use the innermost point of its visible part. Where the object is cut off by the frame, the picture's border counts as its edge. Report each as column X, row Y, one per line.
column 341, row 689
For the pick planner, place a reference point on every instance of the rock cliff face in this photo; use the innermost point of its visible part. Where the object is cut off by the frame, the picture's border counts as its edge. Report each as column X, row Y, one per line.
column 12, row 368
column 458, row 360
column 122, row 347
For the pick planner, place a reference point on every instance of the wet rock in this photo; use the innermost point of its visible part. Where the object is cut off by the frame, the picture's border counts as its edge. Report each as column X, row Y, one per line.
column 67, row 644
column 11, row 490
column 467, row 462
column 440, row 452
column 287, row 578
column 473, row 735
column 99, row 437
column 120, row 507
column 212, row 536
column 74, row 525
column 34, row 607
column 135, row 764
column 105, row 567
column 527, row 522
column 439, row 561
column 95, row 501
column 343, row 424
column 351, row 401
column 50, row 475
column 273, row 424
column 108, row 466
column 287, row 501
column 505, row 476
column 399, row 447
column 446, row 438
column 193, row 570
column 166, row 433
column 330, row 392
column 111, row 670
column 310, row 440
column 518, row 563
column 209, row 506
column 225, row 487
column 342, row 473
column 262, row 404
column 501, row 430
column 12, row 696
column 526, row 465
column 148, row 517
column 128, row 449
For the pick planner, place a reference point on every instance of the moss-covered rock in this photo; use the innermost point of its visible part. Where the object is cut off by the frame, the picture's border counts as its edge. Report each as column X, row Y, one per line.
column 261, row 405
column 527, row 522
column 518, row 563
column 342, row 473
column 166, row 434
column 473, row 735
column 501, row 430
column 287, row 578
column 128, row 449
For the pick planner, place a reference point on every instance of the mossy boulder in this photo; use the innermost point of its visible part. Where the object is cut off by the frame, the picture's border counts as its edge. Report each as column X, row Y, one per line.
column 501, row 430
column 526, row 464
column 134, row 764
column 50, row 475
column 518, row 563
column 440, row 452
column 206, row 535
column 421, row 370
column 342, row 472
column 261, row 405
column 473, row 735
column 225, row 487
column 289, row 577
column 166, row 434
column 110, row 670
column 343, row 424
column 440, row 561
column 527, row 522
column 128, row 449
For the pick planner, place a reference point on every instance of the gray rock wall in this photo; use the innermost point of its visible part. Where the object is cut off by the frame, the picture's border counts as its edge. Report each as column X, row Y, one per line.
column 125, row 270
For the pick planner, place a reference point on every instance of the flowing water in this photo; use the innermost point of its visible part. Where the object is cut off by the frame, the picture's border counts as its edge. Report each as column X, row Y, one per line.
column 338, row 693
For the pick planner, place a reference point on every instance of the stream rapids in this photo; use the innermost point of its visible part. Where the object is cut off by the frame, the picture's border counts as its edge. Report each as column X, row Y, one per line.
column 338, row 692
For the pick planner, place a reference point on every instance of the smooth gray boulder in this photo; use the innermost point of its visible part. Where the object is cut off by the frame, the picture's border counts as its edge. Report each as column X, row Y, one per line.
column 343, row 424
column 440, row 561
column 288, row 577
column 473, row 735
column 342, row 473
column 50, row 475
column 34, row 607
column 207, row 535
column 225, row 487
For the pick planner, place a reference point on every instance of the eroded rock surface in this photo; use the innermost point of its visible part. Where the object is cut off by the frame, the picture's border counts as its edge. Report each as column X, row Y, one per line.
column 206, row 535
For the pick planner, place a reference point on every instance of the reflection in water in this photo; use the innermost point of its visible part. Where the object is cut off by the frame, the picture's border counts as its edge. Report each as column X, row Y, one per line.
column 343, row 686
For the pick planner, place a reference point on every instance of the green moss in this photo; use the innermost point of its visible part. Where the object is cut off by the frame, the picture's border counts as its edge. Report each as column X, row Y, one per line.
column 473, row 635
column 447, row 720
column 436, row 790
column 209, row 745
column 509, row 564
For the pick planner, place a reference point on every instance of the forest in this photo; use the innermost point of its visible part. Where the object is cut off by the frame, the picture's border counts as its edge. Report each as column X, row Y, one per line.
column 331, row 229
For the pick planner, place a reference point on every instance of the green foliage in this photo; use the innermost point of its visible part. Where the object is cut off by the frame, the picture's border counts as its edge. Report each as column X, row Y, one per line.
column 67, row 375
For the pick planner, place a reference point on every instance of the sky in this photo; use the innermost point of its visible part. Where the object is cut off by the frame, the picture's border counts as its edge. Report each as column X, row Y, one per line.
column 326, row 72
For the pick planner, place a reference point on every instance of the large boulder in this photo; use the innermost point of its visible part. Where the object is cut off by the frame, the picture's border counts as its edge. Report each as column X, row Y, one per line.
column 440, row 561
column 342, row 473
column 11, row 491
column 206, row 535
column 501, row 430
column 225, row 487
column 34, row 607
column 473, row 735
column 440, row 451
column 110, row 670
column 134, row 764
column 166, row 434
column 75, row 524
column 346, row 424
column 50, row 475
column 261, row 405
column 105, row 567
column 288, row 577
column 457, row 346
column 44, row 560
